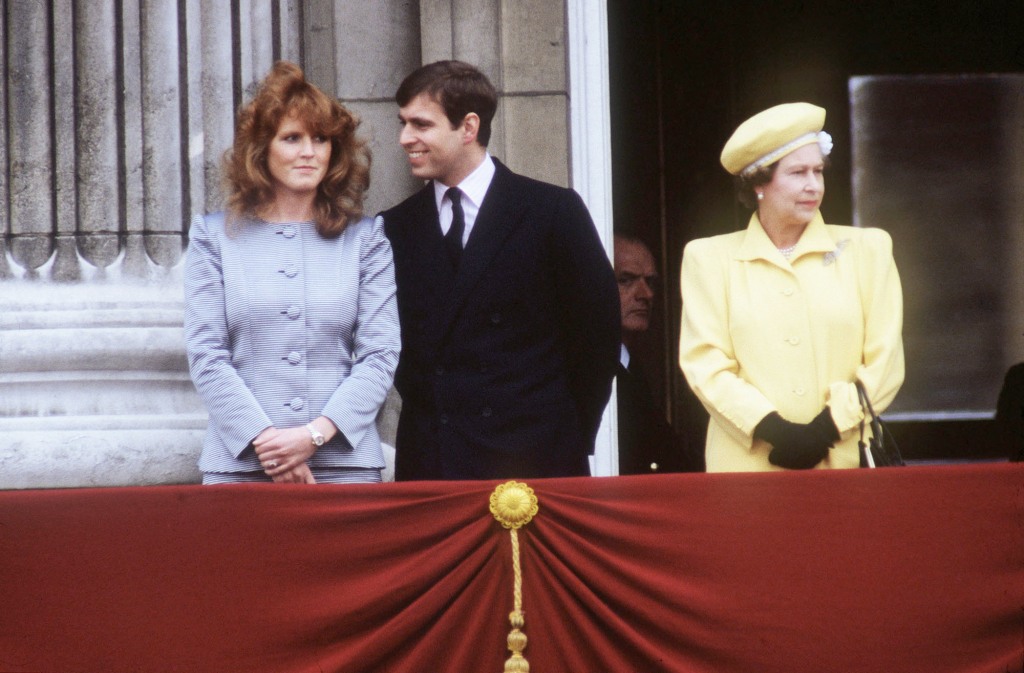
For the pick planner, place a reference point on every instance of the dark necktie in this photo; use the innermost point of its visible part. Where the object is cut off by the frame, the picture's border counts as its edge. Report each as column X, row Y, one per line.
column 453, row 239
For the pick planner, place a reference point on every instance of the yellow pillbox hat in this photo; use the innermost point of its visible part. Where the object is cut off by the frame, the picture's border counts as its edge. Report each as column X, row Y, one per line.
column 770, row 135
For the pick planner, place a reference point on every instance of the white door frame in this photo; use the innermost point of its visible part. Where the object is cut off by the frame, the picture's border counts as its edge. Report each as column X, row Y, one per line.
column 591, row 161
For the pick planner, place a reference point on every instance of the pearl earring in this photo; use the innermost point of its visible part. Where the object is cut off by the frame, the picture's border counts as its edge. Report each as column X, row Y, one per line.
column 760, row 196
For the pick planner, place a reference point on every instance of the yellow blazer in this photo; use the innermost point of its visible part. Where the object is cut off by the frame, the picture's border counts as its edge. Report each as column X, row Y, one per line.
column 761, row 334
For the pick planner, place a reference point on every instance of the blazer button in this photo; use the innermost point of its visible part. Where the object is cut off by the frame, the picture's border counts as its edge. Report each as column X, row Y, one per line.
column 294, row 312
column 654, row 467
column 793, row 341
column 288, row 231
column 290, row 271
column 443, row 419
column 486, row 412
column 297, row 403
column 495, row 318
column 439, row 370
column 295, row 357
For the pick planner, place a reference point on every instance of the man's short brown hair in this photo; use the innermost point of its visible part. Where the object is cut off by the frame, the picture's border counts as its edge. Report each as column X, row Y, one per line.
column 459, row 88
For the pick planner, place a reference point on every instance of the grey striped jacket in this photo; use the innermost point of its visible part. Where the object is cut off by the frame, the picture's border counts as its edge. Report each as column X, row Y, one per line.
column 282, row 326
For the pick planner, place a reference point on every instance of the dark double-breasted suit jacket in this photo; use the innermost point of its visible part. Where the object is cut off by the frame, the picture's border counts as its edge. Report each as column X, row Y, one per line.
column 507, row 362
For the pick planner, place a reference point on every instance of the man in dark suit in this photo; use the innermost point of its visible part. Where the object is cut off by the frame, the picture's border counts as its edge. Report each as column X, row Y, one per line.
column 506, row 297
column 647, row 443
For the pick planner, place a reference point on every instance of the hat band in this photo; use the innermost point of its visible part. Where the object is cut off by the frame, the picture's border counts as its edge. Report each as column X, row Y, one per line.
column 823, row 139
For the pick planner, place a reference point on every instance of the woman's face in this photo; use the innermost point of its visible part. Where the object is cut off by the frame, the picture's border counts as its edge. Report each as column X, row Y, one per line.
column 297, row 160
column 796, row 189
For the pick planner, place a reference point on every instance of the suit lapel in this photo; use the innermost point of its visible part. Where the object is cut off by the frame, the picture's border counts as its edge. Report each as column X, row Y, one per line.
column 427, row 243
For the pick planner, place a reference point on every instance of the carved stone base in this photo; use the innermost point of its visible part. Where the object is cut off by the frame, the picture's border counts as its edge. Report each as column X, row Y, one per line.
column 95, row 386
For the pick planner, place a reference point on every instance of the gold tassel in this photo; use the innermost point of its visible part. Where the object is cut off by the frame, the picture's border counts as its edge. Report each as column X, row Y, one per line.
column 514, row 505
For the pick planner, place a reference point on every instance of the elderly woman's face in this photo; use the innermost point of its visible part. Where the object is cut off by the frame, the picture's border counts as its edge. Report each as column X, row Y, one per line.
column 297, row 159
column 795, row 192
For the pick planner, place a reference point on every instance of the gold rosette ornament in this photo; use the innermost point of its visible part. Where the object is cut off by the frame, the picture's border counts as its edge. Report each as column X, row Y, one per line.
column 514, row 505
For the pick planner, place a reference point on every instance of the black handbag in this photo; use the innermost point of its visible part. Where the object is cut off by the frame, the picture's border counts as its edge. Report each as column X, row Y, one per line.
column 881, row 450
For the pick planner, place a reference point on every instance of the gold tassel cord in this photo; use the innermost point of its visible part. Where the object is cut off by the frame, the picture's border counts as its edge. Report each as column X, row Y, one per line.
column 514, row 505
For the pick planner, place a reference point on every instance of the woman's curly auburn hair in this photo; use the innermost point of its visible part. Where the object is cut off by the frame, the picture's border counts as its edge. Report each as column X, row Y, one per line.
column 285, row 92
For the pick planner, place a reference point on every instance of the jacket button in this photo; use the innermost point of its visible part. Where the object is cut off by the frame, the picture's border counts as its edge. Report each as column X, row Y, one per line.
column 800, row 391
column 295, row 357
column 294, row 312
column 788, row 292
column 793, row 341
column 288, row 231
column 443, row 419
column 439, row 370
column 290, row 271
column 495, row 318
column 297, row 403
column 654, row 467
column 486, row 412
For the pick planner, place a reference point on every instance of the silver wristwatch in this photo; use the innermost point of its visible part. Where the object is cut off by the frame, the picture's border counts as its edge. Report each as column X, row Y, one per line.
column 318, row 437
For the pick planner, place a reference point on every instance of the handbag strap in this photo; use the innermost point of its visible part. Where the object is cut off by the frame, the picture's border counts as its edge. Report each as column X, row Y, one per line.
column 876, row 425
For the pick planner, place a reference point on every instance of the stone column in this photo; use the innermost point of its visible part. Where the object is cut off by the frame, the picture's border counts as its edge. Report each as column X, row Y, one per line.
column 134, row 262
column 30, row 169
column 165, row 206
column 95, row 142
column 5, row 269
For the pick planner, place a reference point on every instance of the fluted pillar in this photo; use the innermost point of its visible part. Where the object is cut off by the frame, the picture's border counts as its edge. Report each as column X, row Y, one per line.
column 95, row 140
column 5, row 195
column 30, row 154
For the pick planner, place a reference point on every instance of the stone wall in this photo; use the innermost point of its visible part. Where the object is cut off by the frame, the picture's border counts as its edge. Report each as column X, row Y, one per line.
column 113, row 121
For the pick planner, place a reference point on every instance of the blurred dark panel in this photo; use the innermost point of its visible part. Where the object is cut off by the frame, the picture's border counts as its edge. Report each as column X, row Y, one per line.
column 938, row 165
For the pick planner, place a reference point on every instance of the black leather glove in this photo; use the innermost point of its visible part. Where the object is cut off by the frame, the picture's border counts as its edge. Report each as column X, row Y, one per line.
column 824, row 424
column 797, row 446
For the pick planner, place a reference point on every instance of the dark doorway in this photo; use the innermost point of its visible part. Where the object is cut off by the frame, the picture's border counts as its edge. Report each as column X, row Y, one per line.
column 685, row 74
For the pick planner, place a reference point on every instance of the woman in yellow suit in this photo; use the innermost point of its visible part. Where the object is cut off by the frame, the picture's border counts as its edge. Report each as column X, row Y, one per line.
column 781, row 320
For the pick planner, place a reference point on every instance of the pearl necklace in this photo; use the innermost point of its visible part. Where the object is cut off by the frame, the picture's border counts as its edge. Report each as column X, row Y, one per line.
column 787, row 252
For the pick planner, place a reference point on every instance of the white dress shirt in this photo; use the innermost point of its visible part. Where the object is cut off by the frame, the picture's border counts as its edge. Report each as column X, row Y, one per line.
column 473, row 189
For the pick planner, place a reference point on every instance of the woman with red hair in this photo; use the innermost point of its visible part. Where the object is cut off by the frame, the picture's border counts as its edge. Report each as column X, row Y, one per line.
column 290, row 318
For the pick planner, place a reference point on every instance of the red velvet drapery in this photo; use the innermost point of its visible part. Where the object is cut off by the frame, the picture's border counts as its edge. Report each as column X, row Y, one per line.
column 915, row 569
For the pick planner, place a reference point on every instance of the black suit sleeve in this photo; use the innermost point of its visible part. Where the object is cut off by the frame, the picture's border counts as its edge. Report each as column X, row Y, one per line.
column 590, row 319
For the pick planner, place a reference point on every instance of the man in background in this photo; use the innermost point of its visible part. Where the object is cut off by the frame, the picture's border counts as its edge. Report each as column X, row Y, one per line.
column 647, row 443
